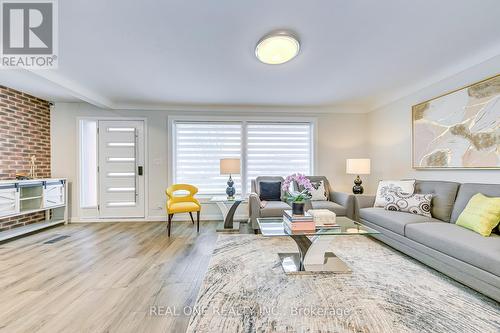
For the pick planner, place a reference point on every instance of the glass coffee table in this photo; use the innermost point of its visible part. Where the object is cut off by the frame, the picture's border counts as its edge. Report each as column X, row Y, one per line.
column 314, row 255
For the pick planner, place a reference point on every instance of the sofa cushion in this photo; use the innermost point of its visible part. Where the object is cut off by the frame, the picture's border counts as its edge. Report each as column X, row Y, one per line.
column 270, row 191
column 393, row 221
column 443, row 196
column 255, row 183
column 459, row 243
column 482, row 214
column 466, row 192
column 316, row 179
column 413, row 203
column 384, row 186
column 318, row 191
column 332, row 206
column 274, row 209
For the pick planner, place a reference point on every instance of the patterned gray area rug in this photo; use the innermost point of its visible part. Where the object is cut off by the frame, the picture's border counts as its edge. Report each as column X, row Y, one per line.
column 246, row 290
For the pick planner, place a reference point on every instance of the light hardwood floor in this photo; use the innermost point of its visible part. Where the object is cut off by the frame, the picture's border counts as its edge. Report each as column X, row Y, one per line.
column 103, row 278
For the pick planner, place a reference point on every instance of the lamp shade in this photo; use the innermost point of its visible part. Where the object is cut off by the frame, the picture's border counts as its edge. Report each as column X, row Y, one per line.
column 358, row 166
column 229, row 166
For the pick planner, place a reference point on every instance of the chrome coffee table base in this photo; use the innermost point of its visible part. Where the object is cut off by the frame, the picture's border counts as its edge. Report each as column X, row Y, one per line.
column 291, row 265
column 312, row 257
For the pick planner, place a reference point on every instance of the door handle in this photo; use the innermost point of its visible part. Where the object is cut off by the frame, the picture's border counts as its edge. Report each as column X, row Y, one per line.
column 140, row 170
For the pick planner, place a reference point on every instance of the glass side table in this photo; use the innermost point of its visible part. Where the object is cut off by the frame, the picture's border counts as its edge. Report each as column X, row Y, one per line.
column 228, row 208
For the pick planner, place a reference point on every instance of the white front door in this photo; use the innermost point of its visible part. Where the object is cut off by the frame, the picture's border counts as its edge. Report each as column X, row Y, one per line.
column 121, row 168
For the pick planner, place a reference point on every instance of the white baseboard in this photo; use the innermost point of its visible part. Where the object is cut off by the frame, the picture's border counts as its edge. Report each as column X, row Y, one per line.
column 96, row 220
column 179, row 218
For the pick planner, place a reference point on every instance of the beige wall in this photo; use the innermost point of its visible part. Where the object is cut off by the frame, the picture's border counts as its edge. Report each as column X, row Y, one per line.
column 384, row 135
column 390, row 133
column 339, row 136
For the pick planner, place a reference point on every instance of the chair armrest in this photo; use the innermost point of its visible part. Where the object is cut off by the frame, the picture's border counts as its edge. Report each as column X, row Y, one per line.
column 362, row 201
column 168, row 192
column 344, row 199
column 196, row 201
column 254, row 198
column 254, row 208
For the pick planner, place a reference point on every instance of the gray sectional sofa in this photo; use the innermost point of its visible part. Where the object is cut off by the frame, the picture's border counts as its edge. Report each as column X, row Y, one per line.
column 340, row 203
column 460, row 253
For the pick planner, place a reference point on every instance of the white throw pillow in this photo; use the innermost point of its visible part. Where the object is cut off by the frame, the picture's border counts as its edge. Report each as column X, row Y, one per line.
column 318, row 193
column 419, row 204
column 406, row 186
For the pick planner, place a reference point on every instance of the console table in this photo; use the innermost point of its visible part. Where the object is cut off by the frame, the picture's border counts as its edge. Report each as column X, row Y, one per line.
column 20, row 197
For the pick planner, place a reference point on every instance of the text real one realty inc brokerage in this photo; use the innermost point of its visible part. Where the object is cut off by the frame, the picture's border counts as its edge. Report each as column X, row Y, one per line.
column 174, row 311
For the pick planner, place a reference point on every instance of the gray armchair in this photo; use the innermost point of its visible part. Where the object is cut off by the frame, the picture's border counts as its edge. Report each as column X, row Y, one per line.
column 340, row 203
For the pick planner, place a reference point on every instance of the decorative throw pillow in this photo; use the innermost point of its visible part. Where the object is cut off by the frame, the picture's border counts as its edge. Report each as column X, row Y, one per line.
column 318, row 193
column 482, row 214
column 419, row 204
column 270, row 191
column 405, row 186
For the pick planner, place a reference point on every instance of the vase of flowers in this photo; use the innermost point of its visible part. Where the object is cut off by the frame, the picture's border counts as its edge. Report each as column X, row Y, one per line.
column 297, row 197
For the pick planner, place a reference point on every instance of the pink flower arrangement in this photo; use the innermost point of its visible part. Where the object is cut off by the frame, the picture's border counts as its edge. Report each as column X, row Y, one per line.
column 302, row 182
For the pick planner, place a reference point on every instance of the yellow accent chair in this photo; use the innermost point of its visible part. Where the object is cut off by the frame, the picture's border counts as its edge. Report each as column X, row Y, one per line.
column 185, row 203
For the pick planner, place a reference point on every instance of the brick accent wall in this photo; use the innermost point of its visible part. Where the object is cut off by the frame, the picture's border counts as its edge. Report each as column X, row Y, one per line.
column 24, row 132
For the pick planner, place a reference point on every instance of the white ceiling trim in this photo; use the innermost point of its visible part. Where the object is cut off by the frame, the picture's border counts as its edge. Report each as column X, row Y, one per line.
column 325, row 109
column 86, row 95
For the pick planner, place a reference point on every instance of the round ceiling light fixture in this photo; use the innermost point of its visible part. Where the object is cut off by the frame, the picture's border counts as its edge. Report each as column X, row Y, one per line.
column 277, row 48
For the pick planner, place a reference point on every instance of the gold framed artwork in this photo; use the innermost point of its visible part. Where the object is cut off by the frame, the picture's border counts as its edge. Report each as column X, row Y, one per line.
column 459, row 130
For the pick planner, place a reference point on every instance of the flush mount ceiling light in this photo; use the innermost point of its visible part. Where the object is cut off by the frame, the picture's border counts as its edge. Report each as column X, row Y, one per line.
column 277, row 48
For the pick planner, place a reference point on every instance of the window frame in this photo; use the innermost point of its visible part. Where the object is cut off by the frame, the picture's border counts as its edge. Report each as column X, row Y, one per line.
column 312, row 121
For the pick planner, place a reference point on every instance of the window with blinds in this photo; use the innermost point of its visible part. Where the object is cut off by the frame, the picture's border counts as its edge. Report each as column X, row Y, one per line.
column 265, row 148
column 198, row 148
column 278, row 149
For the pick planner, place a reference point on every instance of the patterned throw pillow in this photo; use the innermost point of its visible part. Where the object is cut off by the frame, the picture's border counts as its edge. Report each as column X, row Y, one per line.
column 319, row 192
column 384, row 186
column 419, row 204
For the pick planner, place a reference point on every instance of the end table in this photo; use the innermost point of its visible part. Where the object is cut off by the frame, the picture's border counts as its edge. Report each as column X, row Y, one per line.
column 228, row 208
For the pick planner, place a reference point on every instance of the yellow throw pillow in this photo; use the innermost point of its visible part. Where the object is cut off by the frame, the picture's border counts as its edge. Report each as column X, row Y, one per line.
column 481, row 214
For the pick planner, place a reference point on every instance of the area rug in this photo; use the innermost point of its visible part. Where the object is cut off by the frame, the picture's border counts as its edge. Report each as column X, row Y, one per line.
column 246, row 290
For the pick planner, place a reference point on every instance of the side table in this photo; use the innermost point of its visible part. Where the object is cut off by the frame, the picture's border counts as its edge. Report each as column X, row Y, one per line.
column 228, row 208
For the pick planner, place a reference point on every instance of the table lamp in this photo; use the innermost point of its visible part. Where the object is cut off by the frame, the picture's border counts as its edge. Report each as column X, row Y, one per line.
column 358, row 166
column 229, row 166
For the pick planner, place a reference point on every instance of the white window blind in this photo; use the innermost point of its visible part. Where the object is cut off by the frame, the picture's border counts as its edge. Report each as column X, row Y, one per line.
column 198, row 148
column 278, row 149
column 265, row 149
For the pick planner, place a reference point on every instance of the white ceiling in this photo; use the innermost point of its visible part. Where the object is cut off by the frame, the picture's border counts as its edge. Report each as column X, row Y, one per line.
column 153, row 54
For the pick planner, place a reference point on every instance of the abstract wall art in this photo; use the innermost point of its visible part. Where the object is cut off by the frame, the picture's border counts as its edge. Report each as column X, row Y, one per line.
column 460, row 129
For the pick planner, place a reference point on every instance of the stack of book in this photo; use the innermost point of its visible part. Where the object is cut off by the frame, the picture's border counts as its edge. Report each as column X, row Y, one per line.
column 298, row 223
